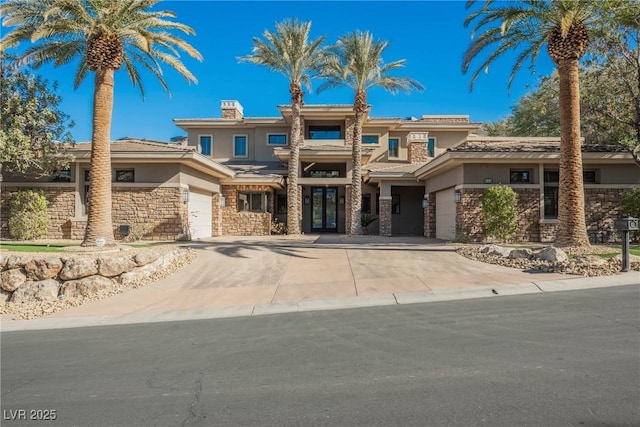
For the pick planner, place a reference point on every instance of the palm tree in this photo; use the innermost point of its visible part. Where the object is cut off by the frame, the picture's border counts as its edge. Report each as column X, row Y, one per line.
column 527, row 26
column 289, row 51
column 355, row 61
column 103, row 35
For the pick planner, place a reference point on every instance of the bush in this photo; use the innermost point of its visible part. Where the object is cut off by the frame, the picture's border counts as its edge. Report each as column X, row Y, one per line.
column 138, row 231
column 366, row 220
column 28, row 215
column 278, row 227
column 499, row 212
column 631, row 206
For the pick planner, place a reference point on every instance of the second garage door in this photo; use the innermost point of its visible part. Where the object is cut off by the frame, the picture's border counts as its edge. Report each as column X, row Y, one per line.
column 199, row 215
column 445, row 215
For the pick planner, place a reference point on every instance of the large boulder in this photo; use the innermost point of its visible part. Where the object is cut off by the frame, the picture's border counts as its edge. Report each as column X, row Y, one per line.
column 4, row 296
column 3, row 261
column 146, row 257
column 12, row 279
column 589, row 260
column 77, row 268
column 551, row 254
column 114, row 266
column 15, row 261
column 495, row 250
column 142, row 273
column 523, row 253
column 40, row 291
column 85, row 287
column 42, row 269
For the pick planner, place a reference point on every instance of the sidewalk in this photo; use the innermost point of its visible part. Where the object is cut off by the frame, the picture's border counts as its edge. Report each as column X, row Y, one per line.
column 251, row 276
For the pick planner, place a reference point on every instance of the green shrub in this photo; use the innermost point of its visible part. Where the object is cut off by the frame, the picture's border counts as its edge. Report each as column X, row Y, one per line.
column 366, row 220
column 499, row 212
column 631, row 205
column 28, row 215
column 138, row 231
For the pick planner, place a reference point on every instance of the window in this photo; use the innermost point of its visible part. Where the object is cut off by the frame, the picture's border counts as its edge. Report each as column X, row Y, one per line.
column 63, row 175
column 281, row 204
column 87, row 175
column 325, row 132
column 366, row 203
column 240, row 146
column 124, row 175
column 370, row 139
column 551, row 176
column 395, row 204
column 431, row 147
column 550, row 202
column 205, row 145
column 252, row 202
column 324, row 174
column 377, row 203
column 394, row 147
column 277, row 139
column 520, row 176
column 589, row 177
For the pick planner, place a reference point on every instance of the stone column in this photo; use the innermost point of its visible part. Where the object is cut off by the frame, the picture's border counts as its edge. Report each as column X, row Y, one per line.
column 385, row 203
column 430, row 216
column 417, row 152
column 216, row 215
column 347, row 209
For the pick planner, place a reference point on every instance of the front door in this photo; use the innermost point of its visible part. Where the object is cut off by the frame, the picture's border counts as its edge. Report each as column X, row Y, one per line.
column 324, row 209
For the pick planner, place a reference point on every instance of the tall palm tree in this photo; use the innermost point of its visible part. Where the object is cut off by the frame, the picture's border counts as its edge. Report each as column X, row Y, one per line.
column 289, row 51
column 356, row 62
column 526, row 26
column 103, row 35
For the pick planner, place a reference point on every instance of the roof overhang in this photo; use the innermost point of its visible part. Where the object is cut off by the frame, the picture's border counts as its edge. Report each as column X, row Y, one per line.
column 320, row 154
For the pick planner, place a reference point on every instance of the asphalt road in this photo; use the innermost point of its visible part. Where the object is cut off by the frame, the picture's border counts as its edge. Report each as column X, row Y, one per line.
column 558, row 359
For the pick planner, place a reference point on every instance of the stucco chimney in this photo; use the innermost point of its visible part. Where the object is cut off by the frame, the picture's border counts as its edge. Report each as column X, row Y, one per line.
column 231, row 110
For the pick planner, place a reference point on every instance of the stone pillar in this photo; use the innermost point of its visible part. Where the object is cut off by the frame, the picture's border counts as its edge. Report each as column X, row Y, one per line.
column 347, row 209
column 430, row 216
column 417, row 152
column 385, row 203
column 216, row 215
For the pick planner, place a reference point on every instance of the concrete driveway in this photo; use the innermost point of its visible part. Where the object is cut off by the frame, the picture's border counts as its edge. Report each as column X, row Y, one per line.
column 256, row 273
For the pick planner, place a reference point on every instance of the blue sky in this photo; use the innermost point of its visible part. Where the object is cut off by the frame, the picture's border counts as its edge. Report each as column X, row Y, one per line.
column 429, row 34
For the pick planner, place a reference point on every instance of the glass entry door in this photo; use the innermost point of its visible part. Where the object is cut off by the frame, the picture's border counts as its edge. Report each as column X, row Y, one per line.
column 324, row 209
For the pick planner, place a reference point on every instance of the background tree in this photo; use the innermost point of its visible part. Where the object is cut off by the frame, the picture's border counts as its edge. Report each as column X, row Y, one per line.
column 356, row 62
column 34, row 132
column 289, row 51
column 526, row 26
column 103, row 35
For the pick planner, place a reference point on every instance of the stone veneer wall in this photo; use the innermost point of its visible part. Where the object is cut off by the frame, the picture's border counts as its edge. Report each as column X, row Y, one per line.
column 603, row 206
column 236, row 223
column 61, row 208
column 216, row 215
column 385, row 215
column 417, row 152
column 162, row 206
column 430, row 217
column 347, row 209
column 469, row 214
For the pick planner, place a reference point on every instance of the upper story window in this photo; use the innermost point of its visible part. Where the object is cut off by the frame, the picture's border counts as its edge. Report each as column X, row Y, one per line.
column 519, row 176
column 325, row 132
column 205, row 145
column 324, row 174
column 394, row 147
column 240, row 148
column 125, row 175
column 431, row 147
column 588, row 176
column 370, row 139
column 277, row 139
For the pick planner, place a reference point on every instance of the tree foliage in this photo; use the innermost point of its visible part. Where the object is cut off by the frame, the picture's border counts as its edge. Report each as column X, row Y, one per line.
column 499, row 212
column 28, row 215
column 630, row 205
column 34, row 132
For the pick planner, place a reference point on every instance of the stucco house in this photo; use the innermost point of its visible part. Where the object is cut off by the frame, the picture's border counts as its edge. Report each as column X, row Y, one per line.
column 421, row 176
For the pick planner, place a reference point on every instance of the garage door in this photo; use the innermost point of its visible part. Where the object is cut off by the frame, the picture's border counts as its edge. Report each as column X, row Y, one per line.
column 445, row 215
column 199, row 215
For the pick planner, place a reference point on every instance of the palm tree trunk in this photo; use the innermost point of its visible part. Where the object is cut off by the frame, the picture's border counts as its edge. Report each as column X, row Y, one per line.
column 293, row 196
column 99, row 221
column 572, row 230
column 356, row 173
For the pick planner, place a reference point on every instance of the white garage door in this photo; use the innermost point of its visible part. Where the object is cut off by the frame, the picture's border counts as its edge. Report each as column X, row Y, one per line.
column 445, row 215
column 199, row 215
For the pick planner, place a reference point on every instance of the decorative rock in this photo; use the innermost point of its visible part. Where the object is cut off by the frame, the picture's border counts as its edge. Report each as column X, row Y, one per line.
column 632, row 258
column 77, row 268
column 495, row 250
column 520, row 253
column 110, row 267
column 12, row 279
column 3, row 262
column 146, row 271
column 39, row 291
column 146, row 257
column 85, row 287
column 589, row 260
column 15, row 261
column 42, row 269
column 551, row 254
column 4, row 296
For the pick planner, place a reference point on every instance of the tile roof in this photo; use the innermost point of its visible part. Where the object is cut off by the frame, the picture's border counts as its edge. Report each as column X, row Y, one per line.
column 529, row 147
column 137, row 145
column 392, row 167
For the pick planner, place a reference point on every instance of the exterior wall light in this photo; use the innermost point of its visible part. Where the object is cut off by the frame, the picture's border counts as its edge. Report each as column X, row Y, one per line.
column 307, row 200
column 457, row 196
column 488, row 180
column 341, row 200
column 185, row 195
column 425, row 203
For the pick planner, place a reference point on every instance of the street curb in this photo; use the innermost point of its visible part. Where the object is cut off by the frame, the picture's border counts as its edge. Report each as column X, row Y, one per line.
column 404, row 298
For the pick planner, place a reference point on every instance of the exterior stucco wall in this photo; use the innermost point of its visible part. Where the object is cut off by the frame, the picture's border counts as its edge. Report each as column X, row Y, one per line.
column 445, row 180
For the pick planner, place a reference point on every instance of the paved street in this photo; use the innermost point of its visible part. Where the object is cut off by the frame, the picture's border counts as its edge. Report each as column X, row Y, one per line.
column 561, row 359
